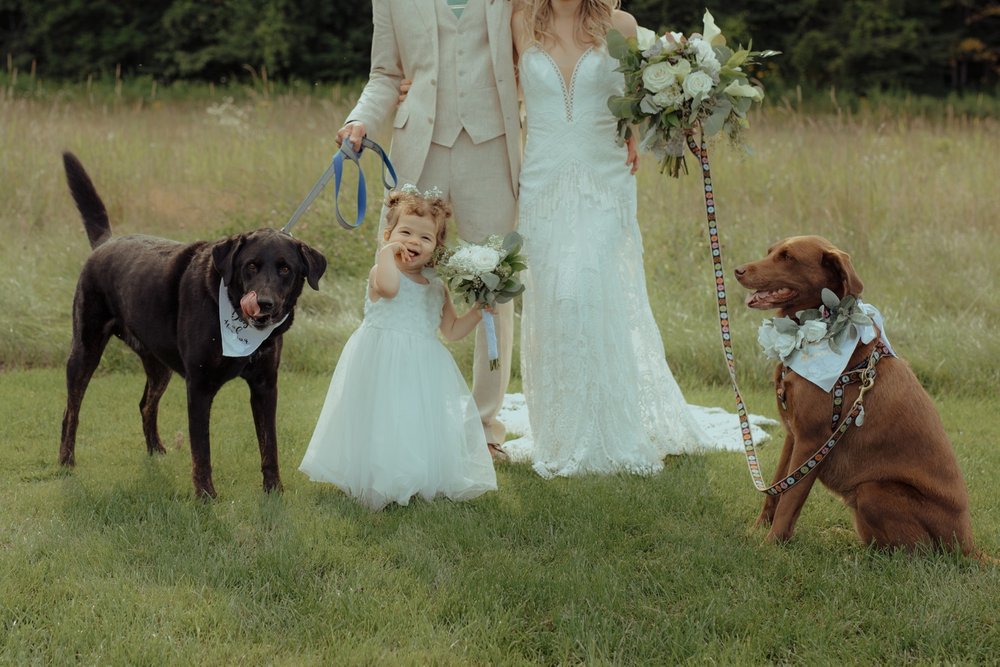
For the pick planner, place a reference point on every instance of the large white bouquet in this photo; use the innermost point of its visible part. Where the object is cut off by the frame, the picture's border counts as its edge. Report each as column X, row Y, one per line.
column 674, row 83
column 485, row 274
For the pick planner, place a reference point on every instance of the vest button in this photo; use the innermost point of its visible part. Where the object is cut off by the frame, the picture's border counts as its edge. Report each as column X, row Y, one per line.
column 433, row 82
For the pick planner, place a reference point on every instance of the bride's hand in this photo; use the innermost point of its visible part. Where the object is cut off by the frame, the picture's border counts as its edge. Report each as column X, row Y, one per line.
column 633, row 155
column 404, row 88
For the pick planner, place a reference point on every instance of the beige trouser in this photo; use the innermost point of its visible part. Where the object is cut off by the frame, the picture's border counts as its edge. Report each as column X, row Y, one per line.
column 476, row 178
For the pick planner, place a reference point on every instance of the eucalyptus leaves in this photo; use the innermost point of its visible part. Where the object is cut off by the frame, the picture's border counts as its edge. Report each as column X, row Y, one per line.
column 835, row 323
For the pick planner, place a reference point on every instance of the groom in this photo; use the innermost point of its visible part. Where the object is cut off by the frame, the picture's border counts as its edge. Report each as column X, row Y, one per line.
column 457, row 129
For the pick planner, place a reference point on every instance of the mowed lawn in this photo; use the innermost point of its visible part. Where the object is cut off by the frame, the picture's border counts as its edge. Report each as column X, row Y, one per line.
column 116, row 562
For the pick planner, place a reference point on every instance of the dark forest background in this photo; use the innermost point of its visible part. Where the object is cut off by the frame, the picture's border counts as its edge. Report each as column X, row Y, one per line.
column 922, row 46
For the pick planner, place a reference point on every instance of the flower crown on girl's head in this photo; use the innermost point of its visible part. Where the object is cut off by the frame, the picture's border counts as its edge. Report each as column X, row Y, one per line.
column 430, row 201
column 433, row 193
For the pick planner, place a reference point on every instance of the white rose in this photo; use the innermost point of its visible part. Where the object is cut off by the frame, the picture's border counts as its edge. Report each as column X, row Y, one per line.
column 475, row 259
column 658, row 76
column 776, row 345
column 813, row 331
column 645, row 38
column 698, row 83
column 738, row 89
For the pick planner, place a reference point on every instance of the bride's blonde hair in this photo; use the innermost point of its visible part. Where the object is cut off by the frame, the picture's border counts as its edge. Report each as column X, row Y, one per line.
column 593, row 19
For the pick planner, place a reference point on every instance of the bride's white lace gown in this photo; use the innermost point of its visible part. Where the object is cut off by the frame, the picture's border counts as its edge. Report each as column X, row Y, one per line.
column 599, row 393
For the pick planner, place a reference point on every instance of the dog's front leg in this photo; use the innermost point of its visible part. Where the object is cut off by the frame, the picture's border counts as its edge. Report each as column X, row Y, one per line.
column 263, row 383
column 789, row 504
column 200, row 397
column 766, row 516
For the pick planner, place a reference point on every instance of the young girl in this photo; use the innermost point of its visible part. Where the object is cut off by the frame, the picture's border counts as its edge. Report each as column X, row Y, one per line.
column 399, row 420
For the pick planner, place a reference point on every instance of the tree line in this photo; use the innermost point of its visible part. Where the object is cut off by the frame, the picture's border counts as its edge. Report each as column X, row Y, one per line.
column 922, row 46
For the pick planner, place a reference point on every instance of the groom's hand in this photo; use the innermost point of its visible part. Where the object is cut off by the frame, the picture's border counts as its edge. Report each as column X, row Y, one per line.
column 353, row 131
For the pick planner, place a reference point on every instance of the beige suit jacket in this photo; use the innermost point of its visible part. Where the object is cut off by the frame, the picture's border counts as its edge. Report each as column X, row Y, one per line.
column 405, row 46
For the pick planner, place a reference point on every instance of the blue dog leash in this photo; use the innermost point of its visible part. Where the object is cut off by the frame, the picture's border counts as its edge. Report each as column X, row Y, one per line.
column 336, row 171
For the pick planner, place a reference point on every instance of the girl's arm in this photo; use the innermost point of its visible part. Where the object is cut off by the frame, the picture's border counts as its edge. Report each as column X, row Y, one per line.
column 383, row 280
column 454, row 327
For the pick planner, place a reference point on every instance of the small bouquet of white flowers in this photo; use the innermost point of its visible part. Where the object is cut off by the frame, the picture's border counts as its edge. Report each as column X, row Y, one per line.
column 485, row 274
column 674, row 83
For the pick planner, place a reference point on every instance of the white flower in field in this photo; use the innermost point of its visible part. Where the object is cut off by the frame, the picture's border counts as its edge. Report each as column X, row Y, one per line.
column 475, row 259
column 705, row 55
column 711, row 32
column 645, row 38
column 740, row 89
column 698, row 83
column 658, row 76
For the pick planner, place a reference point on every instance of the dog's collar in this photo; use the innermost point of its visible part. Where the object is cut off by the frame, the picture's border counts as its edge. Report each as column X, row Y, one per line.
column 818, row 357
column 239, row 339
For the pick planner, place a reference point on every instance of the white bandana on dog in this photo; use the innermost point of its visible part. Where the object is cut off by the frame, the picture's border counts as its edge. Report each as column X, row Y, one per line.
column 239, row 339
column 821, row 365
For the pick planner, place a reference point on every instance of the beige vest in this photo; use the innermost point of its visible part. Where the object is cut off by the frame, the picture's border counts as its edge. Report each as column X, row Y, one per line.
column 464, row 48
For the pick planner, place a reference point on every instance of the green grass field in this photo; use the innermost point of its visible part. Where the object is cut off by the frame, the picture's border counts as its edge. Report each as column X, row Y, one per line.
column 117, row 563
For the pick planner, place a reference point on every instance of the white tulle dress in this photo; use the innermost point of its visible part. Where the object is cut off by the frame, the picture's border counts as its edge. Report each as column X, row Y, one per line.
column 399, row 420
column 599, row 393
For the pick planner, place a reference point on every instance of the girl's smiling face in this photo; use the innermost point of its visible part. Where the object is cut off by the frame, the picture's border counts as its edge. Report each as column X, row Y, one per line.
column 417, row 235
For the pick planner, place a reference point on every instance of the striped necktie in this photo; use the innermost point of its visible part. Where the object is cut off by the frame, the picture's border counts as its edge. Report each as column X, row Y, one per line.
column 457, row 6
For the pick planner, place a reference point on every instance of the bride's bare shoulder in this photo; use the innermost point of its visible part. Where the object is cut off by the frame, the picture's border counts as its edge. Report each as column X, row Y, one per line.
column 624, row 23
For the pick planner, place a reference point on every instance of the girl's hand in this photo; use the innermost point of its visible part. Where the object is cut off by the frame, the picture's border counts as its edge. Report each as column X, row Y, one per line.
column 397, row 249
column 633, row 155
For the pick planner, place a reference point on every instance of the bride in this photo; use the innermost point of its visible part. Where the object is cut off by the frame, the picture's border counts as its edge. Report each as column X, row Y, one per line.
column 599, row 393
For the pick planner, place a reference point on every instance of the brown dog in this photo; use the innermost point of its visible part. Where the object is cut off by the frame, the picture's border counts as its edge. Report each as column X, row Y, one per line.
column 897, row 472
column 162, row 299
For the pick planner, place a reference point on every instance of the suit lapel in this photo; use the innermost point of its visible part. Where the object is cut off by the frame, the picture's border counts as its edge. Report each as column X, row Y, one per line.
column 428, row 12
column 496, row 16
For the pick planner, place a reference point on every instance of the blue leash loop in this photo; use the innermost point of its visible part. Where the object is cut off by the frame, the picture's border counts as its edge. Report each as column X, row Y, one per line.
column 336, row 171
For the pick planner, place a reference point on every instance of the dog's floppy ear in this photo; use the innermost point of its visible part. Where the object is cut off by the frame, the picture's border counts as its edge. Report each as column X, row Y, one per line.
column 840, row 262
column 224, row 257
column 315, row 264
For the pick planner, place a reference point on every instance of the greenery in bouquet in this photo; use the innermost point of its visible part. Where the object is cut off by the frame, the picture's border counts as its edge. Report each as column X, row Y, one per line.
column 675, row 83
column 485, row 273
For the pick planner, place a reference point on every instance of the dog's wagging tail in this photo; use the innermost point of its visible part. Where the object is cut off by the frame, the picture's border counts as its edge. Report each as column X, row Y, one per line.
column 95, row 216
column 162, row 299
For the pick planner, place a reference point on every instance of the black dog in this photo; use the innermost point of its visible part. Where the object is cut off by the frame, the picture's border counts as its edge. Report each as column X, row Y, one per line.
column 162, row 298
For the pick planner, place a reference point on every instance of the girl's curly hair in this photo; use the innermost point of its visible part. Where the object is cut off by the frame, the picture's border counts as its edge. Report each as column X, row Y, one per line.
column 436, row 207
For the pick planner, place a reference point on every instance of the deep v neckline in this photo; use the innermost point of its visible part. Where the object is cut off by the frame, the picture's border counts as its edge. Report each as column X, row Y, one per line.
column 567, row 88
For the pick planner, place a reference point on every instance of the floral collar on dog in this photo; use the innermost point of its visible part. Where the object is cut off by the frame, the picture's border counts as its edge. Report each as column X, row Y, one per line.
column 239, row 339
column 819, row 346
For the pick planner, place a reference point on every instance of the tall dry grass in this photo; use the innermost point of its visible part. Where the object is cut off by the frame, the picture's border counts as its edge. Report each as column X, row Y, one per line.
column 911, row 199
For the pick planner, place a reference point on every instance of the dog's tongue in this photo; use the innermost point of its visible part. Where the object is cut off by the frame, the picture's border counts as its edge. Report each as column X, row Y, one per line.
column 249, row 304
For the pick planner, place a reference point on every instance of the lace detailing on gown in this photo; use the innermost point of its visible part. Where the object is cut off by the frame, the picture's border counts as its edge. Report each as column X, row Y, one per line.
column 600, row 396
